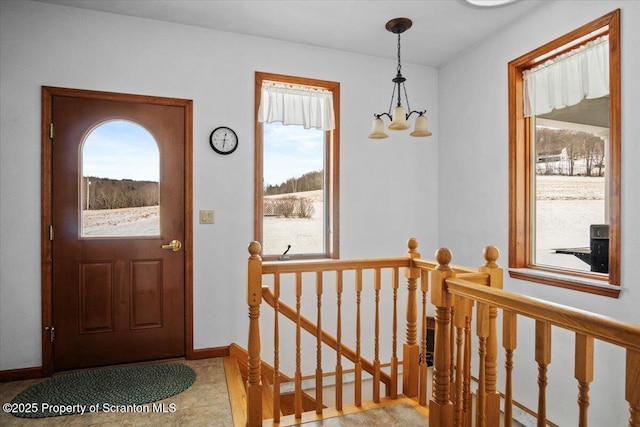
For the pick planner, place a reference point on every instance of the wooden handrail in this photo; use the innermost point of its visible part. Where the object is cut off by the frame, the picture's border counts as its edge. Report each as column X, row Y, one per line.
column 601, row 327
column 431, row 264
column 274, row 267
column 328, row 339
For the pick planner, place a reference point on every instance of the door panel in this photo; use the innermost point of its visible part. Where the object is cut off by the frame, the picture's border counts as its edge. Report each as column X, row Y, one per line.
column 116, row 299
column 146, row 294
column 96, row 297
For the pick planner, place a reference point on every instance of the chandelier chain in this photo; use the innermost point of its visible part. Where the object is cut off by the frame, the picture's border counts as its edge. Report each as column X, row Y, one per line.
column 399, row 69
column 400, row 82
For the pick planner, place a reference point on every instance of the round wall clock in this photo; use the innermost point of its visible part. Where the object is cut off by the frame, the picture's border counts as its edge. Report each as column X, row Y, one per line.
column 223, row 140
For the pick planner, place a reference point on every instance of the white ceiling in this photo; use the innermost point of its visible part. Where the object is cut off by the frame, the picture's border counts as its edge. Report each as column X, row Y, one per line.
column 441, row 28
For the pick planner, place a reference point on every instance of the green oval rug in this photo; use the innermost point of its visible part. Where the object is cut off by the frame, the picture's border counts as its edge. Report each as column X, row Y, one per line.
column 124, row 389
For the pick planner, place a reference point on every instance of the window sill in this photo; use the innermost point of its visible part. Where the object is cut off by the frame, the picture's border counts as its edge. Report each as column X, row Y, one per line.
column 567, row 281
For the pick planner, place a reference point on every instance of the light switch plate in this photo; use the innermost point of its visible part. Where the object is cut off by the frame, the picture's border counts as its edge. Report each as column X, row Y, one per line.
column 207, row 216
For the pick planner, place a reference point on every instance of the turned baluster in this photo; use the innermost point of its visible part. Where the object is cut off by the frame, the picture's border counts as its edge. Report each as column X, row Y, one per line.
column 584, row 374
column 376, row 338
column 490, row 267
column 461, row 314
column 452, row 349
column 509, row 342
column 358, row 364
column 339, row 340
column 276, row 349
column 543, row 357
column 632, row 387
column 424, row 283
column 319, row 343
column 482, row 331
column 297, row 402
column 467, row 404
column 394, row 339
column 411, row 350
column 254, row 298
column 440, row 406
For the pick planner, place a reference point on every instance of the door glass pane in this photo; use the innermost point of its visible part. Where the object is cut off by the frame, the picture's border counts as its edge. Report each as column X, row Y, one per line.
column 120, row 190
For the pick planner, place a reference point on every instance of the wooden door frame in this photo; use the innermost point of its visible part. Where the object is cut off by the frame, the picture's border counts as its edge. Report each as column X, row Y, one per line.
column 46, row 198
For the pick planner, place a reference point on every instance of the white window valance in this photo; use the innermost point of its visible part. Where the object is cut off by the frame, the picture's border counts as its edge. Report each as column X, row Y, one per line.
column 568, row 78
column 296, row 105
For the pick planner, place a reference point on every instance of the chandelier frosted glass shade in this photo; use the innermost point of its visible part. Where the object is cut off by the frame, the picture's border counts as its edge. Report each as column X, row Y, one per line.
column 377, row 129
column 399, row 120
column 422, row 127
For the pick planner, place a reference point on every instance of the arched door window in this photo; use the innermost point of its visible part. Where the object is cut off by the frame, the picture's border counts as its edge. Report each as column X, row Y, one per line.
column 120, row 190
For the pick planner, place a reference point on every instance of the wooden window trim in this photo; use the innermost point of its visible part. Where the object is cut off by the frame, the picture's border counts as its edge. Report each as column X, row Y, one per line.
column 332, row 162
column 519, row 171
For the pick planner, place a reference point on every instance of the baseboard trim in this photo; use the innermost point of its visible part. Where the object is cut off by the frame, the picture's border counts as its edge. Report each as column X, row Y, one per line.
column 38, row 372
column 21, row 374
column 209, row 353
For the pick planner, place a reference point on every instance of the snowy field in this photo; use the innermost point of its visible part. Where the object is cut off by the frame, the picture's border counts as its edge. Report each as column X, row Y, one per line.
column 144, row 221
column 301, row 233
column 566, row 207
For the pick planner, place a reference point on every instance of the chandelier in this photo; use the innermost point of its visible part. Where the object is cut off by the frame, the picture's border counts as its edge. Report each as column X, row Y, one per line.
column 399, row 118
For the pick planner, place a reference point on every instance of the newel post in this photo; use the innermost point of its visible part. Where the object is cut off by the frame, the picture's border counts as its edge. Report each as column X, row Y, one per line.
column 632, row 386
column 440, row 405
column 411, row 349
column 491, row 254
column 254, row 298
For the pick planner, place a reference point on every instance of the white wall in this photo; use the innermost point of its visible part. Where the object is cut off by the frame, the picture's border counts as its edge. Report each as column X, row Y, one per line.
column 42, row 44
column 460, row 173
column 473, row 193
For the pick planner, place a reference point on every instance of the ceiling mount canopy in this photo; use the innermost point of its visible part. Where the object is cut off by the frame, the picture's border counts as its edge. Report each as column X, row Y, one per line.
column 398, row 25
column 399, row 118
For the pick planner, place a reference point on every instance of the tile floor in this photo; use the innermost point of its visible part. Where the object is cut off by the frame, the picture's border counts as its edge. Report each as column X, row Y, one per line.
column 205, row 403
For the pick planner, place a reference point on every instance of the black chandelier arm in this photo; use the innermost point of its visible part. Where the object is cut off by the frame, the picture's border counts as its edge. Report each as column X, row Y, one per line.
column 377, row 116
column 420, row 113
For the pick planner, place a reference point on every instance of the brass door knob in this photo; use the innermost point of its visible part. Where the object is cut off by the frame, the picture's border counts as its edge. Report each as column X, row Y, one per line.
column 174, row 245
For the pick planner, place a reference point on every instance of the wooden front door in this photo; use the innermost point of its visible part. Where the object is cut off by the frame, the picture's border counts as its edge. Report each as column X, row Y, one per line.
column 118, row 281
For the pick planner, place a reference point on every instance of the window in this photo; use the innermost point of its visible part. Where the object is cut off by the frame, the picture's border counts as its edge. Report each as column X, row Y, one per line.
column 120, row 186
column 297, row 132
column 564, row 160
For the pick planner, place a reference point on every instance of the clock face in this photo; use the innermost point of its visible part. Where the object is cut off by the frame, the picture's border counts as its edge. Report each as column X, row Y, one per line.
column 223, row 140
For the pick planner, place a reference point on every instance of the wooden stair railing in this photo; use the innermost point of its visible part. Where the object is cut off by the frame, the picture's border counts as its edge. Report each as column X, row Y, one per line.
column 411, row 348
column 325, row 337
column 465, row 301
column 458, row 292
